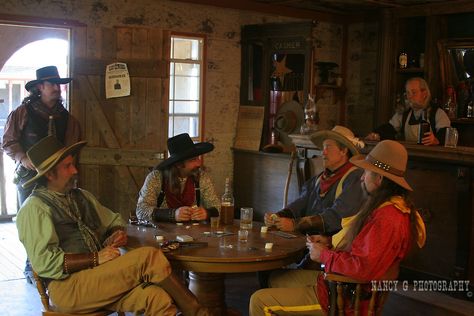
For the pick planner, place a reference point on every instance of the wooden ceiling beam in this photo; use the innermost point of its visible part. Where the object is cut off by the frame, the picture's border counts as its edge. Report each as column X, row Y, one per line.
column 447, row 7
column 272, row 9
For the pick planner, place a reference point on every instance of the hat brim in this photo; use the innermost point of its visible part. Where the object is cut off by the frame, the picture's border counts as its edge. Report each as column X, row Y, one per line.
column 318, row 138
column 360, row 162
column 32, row 83
column 296, row 110
column 197, row 150
column 54, row 160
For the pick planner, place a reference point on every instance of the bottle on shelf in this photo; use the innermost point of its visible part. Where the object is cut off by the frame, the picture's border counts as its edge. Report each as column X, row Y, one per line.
column 227, row 205
column 403, row 60
column 423, row 127
column 450, row 106
column 421, row 61
column 470, row 103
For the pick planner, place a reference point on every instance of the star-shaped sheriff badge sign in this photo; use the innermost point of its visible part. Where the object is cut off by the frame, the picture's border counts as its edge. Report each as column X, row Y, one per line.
column 280, row 70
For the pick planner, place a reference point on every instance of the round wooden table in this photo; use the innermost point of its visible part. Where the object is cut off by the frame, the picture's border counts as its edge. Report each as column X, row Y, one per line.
column 210, row 257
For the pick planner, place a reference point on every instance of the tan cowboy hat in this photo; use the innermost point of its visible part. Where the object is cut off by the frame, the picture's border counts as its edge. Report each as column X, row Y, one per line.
column 47, row 153
column 340, row 134
column 389, row 159
column 48, row 73
column 182, row 147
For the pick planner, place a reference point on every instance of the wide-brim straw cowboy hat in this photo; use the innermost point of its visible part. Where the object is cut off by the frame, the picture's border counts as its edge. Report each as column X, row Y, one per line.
column 341, row 134
column 48, row 73
column 181, row 147
column 388, row 158
column 47, row 153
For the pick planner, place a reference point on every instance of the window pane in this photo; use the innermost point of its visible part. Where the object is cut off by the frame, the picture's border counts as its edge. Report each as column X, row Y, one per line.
column 180, row 124
column 185, row 48
column 184, row 107
column 190, row 70
column 186, row 88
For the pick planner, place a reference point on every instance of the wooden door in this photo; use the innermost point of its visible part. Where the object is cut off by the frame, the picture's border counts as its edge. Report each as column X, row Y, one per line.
column 127, row 135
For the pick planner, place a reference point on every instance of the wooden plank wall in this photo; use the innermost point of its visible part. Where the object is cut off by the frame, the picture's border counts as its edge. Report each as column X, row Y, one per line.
column 134, row 126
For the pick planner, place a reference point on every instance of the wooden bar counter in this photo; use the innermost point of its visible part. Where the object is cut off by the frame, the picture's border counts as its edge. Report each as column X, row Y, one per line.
column 443, row 183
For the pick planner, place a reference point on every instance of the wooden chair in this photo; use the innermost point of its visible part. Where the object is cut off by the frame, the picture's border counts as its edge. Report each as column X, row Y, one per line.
column 48, row 310
column 338, row 299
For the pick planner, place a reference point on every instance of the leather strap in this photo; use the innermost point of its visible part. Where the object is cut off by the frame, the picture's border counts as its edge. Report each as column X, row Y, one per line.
column 74, row 262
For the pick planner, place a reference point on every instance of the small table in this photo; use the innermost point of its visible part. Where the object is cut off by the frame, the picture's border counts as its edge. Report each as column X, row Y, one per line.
column 208, row 263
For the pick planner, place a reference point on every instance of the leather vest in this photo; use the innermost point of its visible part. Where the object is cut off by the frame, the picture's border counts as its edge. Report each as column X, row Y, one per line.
column 36, row 127
column 70, row 238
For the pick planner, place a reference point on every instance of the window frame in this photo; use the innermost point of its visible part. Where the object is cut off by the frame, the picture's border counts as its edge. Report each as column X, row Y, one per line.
column 203, row 65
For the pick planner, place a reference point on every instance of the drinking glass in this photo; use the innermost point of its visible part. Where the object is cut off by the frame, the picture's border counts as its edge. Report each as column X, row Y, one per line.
column 451, row 139
column 246, row 216
column 243, row 235
column 214, row 224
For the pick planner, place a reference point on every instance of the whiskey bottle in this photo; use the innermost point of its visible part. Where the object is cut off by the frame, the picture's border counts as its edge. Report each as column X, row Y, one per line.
column 227, row 205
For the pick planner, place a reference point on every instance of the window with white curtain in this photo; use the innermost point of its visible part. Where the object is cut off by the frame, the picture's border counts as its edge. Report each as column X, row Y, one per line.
column 186, row 88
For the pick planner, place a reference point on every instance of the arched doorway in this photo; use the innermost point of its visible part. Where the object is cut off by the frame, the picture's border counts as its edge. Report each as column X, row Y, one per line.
column 29, row 48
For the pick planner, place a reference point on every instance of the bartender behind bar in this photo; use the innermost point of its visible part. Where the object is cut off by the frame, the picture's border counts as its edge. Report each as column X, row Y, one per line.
column 406, row 125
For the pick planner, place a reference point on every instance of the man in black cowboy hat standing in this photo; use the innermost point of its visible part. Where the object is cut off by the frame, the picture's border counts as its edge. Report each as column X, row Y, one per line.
column 72, row 241
column 177, row 189
column 41, row 114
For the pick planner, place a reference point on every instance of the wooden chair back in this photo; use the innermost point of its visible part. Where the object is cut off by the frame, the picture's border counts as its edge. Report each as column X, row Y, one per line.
column 338, row 300
column 48, row 310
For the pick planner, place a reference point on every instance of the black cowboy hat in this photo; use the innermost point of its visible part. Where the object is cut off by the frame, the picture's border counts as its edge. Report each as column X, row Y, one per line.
column 182, row 147
column 47, row 153
column 48, row 73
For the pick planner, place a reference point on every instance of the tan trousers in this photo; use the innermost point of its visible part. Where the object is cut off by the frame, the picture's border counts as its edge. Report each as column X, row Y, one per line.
column 293, row 278
column 285, row 301
column 118, row 285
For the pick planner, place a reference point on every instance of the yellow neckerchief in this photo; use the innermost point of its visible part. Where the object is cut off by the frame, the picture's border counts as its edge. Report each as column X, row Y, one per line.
column 400, row 204
column 345, row 221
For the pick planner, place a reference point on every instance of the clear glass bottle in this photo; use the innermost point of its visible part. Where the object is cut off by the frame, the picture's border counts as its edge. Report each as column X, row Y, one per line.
column 227, row 205
column 451, row 105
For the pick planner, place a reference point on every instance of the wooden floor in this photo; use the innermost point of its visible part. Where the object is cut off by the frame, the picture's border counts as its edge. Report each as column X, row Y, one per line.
column 17, row 298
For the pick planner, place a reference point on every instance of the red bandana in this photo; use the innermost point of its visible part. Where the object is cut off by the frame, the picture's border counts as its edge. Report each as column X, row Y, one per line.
column 185, row 198
column 328, row 178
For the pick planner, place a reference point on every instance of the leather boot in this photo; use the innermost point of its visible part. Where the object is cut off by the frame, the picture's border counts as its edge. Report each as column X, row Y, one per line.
column 185, row 299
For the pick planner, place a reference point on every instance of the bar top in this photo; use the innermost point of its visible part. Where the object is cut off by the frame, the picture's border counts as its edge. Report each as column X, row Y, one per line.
column 459, row 155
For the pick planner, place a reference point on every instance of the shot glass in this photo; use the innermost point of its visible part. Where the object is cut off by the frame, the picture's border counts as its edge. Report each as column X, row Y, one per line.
column 243, row 235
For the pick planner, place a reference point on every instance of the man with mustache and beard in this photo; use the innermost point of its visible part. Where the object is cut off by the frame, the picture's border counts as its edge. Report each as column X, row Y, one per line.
column 72, row 241
column 41, row 114
column 177, row 189
column 327, row 204
column 379, row 238
column 405, row 125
